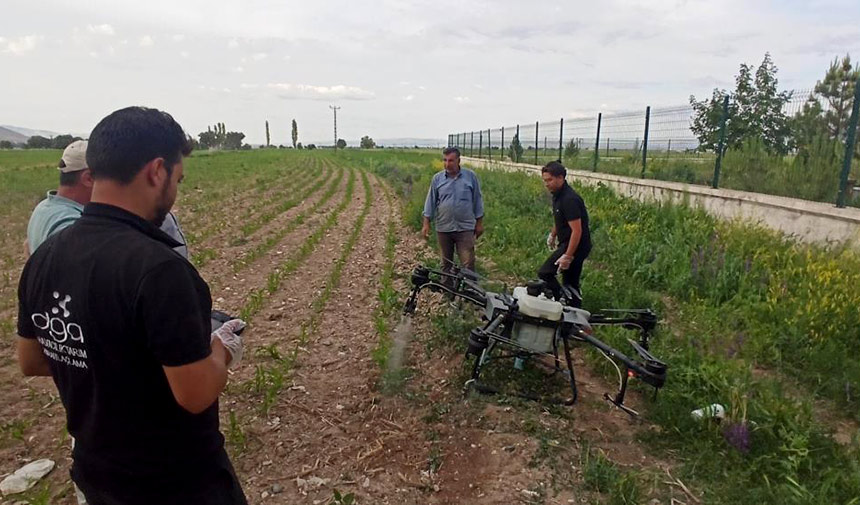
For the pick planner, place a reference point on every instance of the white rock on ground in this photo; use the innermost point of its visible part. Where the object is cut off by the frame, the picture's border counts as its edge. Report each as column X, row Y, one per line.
column 26, row 477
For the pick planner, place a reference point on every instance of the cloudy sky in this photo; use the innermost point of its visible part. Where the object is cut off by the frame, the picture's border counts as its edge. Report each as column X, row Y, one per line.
column 399, row 68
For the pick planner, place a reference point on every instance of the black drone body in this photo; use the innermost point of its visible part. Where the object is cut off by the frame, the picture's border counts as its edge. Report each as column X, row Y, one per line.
column 527, row 324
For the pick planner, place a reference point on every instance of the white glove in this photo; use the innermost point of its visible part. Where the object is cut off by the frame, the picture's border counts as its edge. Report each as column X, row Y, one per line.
column 564, row 262
column 551, row 241
column 226, row 333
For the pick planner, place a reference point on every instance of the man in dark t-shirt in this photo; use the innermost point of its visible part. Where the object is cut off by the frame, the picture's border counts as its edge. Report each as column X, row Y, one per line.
column 570, row 231
column 121, row 322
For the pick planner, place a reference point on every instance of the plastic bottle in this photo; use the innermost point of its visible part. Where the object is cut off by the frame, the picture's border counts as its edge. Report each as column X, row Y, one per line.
column 713, row 411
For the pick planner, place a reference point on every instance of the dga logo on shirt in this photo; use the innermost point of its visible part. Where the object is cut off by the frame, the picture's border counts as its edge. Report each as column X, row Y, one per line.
column 60, row 329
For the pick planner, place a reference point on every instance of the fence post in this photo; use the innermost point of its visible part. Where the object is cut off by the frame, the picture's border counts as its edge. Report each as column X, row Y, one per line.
column 645, row 139
column 597, row 141
column 536, row 142
column 516, row 153
column 850, row 138
column 669, row 149
column 560, row 138
column 716, row 182
column 480, row 143
column 607, row 146
column 502, row 157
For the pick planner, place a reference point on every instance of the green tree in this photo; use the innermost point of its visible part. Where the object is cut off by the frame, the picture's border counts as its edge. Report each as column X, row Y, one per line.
column 571, row 150
column 311, row 146
column 837, row 89
column 367, row 143
column 755, row 111
column 6, row 144
column 515, row 151
column 341, row 144
column 38, row 142
column 267, row 134
column 233, row 140
column 707, row 115
column 208, row 139
column 768, row 119
column 815, row 121
column 62, row 141
column 295, row 134
column 299, row 146
column 808, row 125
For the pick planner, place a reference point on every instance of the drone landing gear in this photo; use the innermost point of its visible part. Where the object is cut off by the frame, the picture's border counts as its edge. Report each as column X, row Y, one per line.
column 483, row 343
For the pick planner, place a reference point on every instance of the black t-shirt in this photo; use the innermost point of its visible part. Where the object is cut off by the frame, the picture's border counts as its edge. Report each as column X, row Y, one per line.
column 111, row 303
column 567, row 206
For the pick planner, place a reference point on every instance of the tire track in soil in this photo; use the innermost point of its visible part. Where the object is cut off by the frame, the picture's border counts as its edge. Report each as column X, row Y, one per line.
column 294, row 306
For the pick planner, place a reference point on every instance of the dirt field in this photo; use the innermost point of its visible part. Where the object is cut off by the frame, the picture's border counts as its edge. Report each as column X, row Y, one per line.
column 304, row 415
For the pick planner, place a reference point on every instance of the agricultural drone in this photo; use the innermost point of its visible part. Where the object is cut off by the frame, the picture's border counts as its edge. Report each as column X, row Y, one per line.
column 529, row 324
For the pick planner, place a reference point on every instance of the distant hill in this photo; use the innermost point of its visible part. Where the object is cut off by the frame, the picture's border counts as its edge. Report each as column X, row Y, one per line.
column 12, row 135
column 28, row 132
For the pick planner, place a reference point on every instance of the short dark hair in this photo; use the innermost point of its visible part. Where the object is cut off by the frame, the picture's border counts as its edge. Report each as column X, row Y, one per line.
column 451, row 150
column 555, row 169
column 127, row 139
column 69, row 178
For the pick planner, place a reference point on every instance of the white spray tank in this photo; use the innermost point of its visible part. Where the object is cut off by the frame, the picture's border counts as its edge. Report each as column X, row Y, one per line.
column 533, row 303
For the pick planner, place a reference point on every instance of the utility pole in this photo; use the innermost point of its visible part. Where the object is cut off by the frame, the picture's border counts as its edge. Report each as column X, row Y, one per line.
column 335, row 109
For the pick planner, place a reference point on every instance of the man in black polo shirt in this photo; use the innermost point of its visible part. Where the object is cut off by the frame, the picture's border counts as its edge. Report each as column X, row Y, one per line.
column 570, row 232
column 122, row 323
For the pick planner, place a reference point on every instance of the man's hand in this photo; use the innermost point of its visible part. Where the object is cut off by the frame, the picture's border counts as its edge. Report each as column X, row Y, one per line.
column 564, row 262
column 425, row 229
column 479, row 229
column 232, row 342
column 551, row 241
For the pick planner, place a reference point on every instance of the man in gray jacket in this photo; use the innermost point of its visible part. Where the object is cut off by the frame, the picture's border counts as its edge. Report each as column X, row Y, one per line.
column 454, row 200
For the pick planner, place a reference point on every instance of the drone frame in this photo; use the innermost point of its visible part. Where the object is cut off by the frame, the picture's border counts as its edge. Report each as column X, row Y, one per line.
column 501, row 313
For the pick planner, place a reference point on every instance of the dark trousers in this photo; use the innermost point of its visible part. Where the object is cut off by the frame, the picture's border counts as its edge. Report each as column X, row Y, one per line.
column 463, row 242
column 216, row 487
column 548, row 272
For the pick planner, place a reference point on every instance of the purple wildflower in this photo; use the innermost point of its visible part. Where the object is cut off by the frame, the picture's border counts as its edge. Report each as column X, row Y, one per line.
column 738, row 436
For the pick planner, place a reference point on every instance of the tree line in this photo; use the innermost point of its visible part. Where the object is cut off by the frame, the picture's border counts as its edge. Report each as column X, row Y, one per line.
column 756, row 112
column 40, row 142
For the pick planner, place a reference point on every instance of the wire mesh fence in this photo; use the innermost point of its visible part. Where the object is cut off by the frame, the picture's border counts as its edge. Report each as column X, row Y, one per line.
column 660, row 143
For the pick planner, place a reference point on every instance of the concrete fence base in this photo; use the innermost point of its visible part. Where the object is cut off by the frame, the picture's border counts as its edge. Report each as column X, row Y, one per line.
column 806, row 221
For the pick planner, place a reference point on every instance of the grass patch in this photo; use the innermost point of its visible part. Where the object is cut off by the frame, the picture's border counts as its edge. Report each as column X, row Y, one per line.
column 738, row 298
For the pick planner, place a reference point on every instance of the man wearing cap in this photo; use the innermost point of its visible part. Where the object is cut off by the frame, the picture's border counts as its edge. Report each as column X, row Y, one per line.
column 64, row 206
column 122, row 325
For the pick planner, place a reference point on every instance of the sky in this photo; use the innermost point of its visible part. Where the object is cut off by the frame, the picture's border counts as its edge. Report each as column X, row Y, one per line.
column 400, row 68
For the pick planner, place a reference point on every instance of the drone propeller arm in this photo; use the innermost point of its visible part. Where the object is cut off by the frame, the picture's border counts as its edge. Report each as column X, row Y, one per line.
column 412, row 301
column 655, row 377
